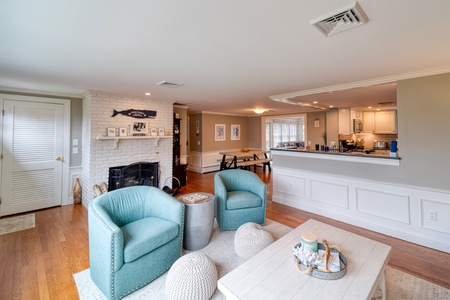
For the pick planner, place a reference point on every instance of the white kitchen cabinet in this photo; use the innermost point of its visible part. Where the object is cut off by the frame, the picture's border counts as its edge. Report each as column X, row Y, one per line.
column 344, row 121
column 356, row 114
column 386, row 121
column 368, row 121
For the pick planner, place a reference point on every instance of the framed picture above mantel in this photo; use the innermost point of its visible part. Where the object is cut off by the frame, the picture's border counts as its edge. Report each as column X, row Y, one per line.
column 139, row 128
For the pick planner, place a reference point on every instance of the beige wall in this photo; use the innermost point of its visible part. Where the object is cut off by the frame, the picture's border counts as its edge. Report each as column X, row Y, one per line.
column 208, row 126
column 423, row 123
column 255, row 132
column 314, row 134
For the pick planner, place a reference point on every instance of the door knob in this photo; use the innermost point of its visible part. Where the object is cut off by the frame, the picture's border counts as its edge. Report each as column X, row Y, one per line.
column 58, row 158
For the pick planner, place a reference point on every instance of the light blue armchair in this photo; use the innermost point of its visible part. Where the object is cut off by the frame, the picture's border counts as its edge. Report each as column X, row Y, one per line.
column 135, row 235
column 240, row 198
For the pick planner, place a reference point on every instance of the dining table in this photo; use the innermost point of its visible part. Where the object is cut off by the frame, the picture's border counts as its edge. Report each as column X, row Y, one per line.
column 230, row 159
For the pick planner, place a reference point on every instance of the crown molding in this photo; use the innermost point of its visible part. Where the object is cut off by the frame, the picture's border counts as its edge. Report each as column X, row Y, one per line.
column 38, row 93
column 223, row 114
column 362, row 83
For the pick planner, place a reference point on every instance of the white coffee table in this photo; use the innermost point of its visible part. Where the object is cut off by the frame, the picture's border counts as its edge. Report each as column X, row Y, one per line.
column 272, row 274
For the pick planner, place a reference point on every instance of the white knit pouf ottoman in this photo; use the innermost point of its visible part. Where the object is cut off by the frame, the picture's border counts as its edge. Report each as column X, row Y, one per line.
column 192, row 276
column 250, row 238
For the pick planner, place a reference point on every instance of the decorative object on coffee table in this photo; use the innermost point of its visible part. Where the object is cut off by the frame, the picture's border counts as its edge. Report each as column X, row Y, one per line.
column 321, row 268
column 193, row 276
column 250, row 238
column 77, row 193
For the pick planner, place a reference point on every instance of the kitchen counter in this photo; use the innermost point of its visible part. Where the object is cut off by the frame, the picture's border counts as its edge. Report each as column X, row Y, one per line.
column 381, row 157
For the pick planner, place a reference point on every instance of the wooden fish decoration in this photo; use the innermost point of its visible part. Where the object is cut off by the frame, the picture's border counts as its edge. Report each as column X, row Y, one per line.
column 135, row 113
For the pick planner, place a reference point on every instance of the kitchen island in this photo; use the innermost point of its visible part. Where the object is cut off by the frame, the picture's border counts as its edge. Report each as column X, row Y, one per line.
column 365, row 190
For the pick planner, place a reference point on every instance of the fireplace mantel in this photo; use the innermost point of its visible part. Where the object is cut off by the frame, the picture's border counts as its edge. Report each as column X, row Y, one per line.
column 118, row 138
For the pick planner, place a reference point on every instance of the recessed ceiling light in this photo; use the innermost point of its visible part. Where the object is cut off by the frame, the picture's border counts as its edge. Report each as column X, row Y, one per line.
column 330, row 106
column 147, row 94
column 315, row 102
column 369, row 107
column 378, row 109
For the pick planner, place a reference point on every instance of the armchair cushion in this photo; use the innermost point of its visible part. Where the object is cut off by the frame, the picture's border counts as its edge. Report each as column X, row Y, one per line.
column 242, row 199
column 145, row 235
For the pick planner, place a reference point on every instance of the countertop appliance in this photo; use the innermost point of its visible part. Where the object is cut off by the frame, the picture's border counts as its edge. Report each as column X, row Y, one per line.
column 357, row 125
column 378, row 145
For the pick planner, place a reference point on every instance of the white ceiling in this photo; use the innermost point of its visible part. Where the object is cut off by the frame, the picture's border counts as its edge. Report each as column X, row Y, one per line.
column 230, row 55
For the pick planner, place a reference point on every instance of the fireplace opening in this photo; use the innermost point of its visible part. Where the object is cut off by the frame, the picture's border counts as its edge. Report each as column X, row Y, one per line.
column 140, row 173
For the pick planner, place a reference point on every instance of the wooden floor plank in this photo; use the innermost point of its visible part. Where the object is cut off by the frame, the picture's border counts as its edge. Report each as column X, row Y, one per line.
column 39, row 263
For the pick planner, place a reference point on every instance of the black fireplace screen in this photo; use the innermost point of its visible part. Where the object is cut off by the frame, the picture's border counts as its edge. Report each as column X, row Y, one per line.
column 141, row 173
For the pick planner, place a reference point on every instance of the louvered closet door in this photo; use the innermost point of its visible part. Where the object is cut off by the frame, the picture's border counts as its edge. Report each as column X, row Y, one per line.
column 32, row 156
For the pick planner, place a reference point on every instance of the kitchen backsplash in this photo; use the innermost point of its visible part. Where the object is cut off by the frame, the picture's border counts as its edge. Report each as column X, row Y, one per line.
column 369, row 138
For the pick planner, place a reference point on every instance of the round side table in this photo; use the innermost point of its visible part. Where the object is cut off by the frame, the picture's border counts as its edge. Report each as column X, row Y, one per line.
column 198, row 221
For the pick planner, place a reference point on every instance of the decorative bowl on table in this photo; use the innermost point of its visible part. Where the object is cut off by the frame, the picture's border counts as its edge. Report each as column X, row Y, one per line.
column 245, row 149
column 315, row 271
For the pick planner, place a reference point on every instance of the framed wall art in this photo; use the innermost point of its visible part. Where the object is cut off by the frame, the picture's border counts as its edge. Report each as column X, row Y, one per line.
column 235, row 132
column 161, row 131
column 139, row 128
column 219, row 132
column 153, row 132
column 111, row 131
column 122, row 131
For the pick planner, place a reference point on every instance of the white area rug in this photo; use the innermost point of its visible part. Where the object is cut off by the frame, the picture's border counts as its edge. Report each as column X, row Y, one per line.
column 18, row 223
column 221, row 251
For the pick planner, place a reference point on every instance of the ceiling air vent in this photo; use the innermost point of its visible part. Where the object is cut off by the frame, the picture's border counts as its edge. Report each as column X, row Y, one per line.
column 340, row 20
column 169, row 84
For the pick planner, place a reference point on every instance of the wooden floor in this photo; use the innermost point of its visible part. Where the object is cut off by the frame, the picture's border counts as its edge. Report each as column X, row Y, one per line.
column 39, row 263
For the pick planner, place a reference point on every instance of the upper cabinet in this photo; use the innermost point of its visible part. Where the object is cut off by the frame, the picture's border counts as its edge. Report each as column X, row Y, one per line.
column 368, row 121
column 346, row 116
column 386, row 121
column 356, row 114
column 344, row 121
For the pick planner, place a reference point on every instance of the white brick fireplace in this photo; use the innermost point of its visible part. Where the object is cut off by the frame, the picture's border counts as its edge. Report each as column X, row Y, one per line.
column 100, row 155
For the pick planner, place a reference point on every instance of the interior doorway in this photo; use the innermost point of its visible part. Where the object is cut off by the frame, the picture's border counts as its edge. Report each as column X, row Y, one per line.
column 33, row 149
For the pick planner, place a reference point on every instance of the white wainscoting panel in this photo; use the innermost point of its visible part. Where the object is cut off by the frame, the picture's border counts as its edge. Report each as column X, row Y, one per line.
column 210, row 159
column 195, row 161
column 291, row 185
column 330, row 193
column 441, row 210
column 384, row 205
column 395, row 210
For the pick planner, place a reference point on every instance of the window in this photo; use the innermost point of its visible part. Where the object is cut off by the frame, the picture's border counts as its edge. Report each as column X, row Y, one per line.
column 284, row 130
